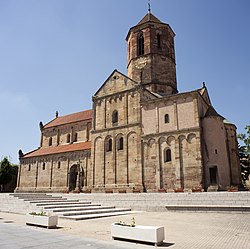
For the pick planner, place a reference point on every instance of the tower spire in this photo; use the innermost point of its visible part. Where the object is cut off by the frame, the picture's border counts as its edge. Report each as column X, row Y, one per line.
column 149, row 6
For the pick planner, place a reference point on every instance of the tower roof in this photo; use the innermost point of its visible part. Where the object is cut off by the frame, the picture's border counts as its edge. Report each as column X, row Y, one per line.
column 212, row 113
column 149, row 17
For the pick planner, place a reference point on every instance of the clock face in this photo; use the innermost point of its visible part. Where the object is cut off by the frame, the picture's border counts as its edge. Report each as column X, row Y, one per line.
column 141, row 63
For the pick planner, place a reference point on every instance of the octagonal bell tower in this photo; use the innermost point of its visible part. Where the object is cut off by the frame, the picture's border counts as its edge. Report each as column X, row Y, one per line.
column 151, row 55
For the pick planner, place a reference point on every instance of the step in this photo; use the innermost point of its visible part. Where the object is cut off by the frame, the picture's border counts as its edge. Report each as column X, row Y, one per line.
column 34, row 196
column 207, row 208
column 94, row 216
column 40, row 198
column 72, row 213
column 65, row 209
column 52, row 201
column 48, row 206
column 29, row 194
column 69, row 202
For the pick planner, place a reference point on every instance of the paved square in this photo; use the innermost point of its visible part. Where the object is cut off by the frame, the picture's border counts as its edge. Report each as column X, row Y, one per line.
column 183, row 230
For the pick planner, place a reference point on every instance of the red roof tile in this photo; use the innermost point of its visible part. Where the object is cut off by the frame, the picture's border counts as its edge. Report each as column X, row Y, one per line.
column 59, row 149
column 71, row 118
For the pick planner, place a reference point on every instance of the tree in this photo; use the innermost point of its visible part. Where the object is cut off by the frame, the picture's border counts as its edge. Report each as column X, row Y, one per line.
column 244, row 154
column 8, row 172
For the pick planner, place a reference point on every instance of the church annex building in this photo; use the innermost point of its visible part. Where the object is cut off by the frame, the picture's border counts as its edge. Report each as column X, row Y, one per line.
column 141, row 134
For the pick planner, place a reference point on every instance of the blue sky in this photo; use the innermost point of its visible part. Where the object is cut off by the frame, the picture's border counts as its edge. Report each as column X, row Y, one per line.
column 55, row 54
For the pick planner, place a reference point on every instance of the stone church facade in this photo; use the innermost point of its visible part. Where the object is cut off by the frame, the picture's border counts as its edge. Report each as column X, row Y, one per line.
column 141, row 134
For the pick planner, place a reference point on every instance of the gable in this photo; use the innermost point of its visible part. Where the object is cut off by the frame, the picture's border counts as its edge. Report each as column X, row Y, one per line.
column 116, row 82
column 204, row 93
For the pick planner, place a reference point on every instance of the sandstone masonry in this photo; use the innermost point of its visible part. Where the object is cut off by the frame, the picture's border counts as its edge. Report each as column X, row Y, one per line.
column 141, row 134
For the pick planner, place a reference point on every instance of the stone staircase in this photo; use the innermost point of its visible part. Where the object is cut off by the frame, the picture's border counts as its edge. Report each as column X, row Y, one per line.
column 95, row 205
column 162, row 202
column 68, row 208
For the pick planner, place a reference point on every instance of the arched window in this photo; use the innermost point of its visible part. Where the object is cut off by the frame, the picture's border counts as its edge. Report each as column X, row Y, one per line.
column 158, row 40
column 43, row 166
column 166, row 118
column 50, row 141
column 76, row 137
column 68, row 138
column 120, row 143
column 141, row 44
column 115, row 117
column 109, row 145
column 167, row 155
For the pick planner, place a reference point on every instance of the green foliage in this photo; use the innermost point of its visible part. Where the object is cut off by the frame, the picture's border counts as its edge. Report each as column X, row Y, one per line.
column 122, row 223
column 244, row 153
column 42, row 213
column 7, row 171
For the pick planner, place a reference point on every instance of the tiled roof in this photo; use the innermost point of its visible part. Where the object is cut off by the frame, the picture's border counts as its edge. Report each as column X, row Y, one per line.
column 149, row 17
column 212, row 113
column 59, row 149
column 71, row 118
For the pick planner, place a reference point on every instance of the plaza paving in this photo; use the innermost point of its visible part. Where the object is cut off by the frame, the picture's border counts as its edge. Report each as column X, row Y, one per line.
column 182, row 230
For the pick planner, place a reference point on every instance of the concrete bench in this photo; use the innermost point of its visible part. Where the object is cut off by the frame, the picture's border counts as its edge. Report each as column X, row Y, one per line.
column 151, row 234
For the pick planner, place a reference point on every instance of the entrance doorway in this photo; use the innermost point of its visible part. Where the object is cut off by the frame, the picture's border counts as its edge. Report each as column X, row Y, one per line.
column 73, row 177
column 213, row 175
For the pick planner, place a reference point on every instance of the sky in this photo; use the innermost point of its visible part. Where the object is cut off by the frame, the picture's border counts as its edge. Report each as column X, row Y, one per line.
column 55, row 54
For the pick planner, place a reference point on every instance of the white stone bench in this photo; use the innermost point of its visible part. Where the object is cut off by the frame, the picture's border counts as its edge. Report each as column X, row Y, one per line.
column 45, row 221
column 151, row 234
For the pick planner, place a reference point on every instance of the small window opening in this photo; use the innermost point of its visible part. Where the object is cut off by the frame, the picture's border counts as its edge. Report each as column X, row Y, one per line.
column 109, row 145
column 50, row 141
column 158, row 40
column 43, row 166
column 166, row 118
column 59, row 165
column 76, row 137
column 167, row 156
column 29, row 168
column 115, row 117
column 120, row 144
column 216, row 151
column 68, row 138
column 141, row 44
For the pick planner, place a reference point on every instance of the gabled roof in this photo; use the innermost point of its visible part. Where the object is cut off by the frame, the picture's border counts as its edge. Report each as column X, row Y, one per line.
column 204, row 93
column 212, row 113
column 58, row 149
column 70, row 118
column 149, row 17
column 115, row 71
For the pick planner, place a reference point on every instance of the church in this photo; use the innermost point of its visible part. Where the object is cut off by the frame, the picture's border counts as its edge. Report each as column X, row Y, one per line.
column 141, row 134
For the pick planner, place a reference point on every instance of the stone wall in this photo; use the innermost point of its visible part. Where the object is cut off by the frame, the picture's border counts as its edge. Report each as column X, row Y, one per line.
column 182, row 111
column 77, row 132
column 180, row 134
column 155, row 68
column 51, row 173
column 117, row 167
column 232, row 146
column 215, row 153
